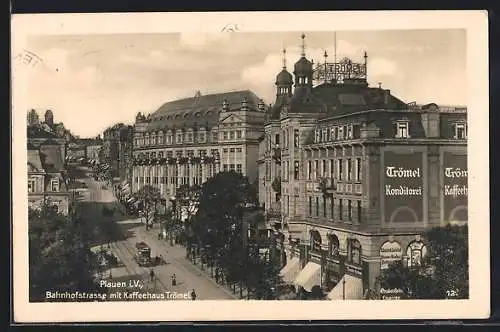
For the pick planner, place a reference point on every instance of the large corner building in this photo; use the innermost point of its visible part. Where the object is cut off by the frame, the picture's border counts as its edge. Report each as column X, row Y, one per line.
column 351, row 176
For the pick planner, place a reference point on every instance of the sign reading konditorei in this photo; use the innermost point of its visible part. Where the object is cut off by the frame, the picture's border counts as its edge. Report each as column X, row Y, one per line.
column 403, row 186
column 455, row 187
column 390, row 252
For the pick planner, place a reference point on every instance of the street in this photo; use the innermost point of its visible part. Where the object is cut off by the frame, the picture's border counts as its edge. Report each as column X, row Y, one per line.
column 188, row 276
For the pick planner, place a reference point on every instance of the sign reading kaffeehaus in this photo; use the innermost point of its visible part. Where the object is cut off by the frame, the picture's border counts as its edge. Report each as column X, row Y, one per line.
column 403, row 186
column 455, row 189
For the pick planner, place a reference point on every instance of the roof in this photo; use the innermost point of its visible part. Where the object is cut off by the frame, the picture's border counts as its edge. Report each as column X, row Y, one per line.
column 199, row 110
column 284, row 78
column 303, row 66
column 38, row 132
column 337, row 99
column 34, row 161
column 52, row 158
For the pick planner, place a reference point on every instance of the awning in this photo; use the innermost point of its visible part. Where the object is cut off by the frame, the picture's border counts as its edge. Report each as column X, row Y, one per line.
column 131, row 199
column 125, row 188
column 353, row 289
column 290, row 270
column 309, row 276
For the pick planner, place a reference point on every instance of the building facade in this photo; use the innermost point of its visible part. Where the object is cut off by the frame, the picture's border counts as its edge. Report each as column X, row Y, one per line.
column 352, row 176
column 117, row 151
column 47, row 181
column 187, row 141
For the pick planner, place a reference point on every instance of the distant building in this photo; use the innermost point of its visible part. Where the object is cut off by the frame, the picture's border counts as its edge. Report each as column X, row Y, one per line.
column 187, row 141
column 33, row 119
column 47, row 179
column 117, row 150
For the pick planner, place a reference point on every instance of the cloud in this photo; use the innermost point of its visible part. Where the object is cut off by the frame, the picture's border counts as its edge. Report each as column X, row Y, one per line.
column 199, row 39
column 381, row 67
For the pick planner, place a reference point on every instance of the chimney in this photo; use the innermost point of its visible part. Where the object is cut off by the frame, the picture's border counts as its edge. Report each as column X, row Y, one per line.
column 387, row 96
column 431, row 122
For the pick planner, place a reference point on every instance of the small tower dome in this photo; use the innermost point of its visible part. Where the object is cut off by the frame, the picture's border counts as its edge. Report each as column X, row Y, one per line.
column 49, row 118
column 284, row 78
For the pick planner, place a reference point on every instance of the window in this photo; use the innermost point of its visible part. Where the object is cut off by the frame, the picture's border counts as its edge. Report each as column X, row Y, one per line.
column 224, row 135
column 231, row 134
column 460, row 131
column 324, row 206
column 358, row 169
column 231, row 167
column 349, row 210
column 239, row 168
column 231, row 150
column 296, row 138
column 54, row 185
column 323, row 168
column 349, row 169
column 332, row 163
column 333, row 132
column 214, row 136
column 309, row 169
column 178, row 138
column 359, row 211
column 238, row 133
column 277, row 139
column 31, row 186
column 316, row 136
column 349, row 132
column 310, row 206
column 339, row 169
column 201, row 137
column 333, row 245
column 340, row 133
column 341, row 212
column 224, row 167
column 402, row 129
column 354, row 252
column 332, row 207
column 238, row 150
column 316, row 168
column 315, row 241
column 224, row 150
column 317, row 207
column 295, row 170
column 415, row 252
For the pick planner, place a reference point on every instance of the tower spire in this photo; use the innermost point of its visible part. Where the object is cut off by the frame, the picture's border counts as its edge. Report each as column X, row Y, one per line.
column 284, row 58
column 366, row 66
column 303, row 53
column 326, row 56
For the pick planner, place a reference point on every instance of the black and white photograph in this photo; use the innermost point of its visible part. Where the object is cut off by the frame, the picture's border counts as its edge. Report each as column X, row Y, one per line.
column 253, row 159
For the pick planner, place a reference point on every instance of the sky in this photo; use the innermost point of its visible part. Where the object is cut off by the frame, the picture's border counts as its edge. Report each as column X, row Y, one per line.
column 107, row 79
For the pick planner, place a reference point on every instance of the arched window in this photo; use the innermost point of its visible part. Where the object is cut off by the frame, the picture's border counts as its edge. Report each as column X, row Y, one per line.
column 169, row 137
column 146, row 139
column 333, row 245
column 354, row 252
column 416, row 251
column 153, row 139
column 160, row 138
column 315, row 241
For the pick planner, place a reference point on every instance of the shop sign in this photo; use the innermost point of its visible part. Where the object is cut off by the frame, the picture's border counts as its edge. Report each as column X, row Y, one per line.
column 391, row 294
column 390, row 252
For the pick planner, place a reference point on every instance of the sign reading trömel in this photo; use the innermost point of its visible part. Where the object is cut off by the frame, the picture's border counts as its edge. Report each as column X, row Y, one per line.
column 455, row 188
column 403, row 187
column 390, row 252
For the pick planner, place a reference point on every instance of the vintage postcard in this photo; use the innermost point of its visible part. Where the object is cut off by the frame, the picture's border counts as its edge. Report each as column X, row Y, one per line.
column 250, row 166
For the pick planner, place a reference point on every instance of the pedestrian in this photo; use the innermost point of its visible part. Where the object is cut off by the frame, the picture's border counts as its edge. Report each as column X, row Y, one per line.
column 193, row 295
column 174, row 280
column 217, row 275
column 151, row 275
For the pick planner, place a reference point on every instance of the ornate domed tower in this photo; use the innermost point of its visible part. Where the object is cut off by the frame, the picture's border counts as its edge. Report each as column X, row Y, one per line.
column 49, row 118
column 284, row 80
column 32, row 118
column 303, row 69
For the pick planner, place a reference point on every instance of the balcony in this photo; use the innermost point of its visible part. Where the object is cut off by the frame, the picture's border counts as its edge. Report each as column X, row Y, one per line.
column 274, row 211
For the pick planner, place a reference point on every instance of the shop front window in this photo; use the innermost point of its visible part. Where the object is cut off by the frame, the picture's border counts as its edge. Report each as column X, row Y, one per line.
column 354, row 252
column 416, row 251
column 315, row 241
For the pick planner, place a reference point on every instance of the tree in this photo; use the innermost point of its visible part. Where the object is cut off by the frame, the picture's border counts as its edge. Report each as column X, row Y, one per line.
column 59, row 254
column 444, row 272
column 149, row 197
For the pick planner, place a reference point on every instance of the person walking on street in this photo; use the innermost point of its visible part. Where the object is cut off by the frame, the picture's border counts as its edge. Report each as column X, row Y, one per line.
column 151, row 275
column 174, row 280
column 193, row 295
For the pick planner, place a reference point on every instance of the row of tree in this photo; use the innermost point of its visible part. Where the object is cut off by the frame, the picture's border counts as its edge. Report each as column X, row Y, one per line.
column 60, row 258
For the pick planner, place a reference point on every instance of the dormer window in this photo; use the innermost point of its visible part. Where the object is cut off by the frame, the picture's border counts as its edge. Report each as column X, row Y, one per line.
column 402, row 129
column 54, row 185
column 316, row 136
column 460, row 131
column 31, row 186
column 341, row 133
